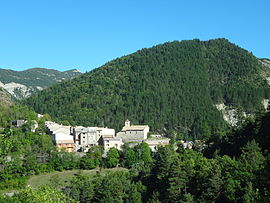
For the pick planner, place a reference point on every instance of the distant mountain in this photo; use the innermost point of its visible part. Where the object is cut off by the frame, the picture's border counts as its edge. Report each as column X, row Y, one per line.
column 186, row 87
column 21, row 84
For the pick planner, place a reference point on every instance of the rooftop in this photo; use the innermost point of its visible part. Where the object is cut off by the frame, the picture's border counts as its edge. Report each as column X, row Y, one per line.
column 112, row 139
column 134, row 127
column 64, row 138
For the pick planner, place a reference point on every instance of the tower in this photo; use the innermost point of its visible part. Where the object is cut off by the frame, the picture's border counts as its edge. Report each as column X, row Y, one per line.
column 127, row 123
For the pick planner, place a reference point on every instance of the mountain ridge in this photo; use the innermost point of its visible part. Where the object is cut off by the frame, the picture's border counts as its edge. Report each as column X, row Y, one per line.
column 21, row 84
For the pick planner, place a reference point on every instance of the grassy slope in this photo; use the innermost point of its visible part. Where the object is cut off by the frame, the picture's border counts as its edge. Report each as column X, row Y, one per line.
column 64, row 177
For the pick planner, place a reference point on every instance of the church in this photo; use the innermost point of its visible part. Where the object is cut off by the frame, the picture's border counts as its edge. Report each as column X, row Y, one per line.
column 130, row 133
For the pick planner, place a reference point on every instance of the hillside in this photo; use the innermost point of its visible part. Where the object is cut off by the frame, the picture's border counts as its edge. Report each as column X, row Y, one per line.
column 5, row 98
column 21, row 84
column 174, row 86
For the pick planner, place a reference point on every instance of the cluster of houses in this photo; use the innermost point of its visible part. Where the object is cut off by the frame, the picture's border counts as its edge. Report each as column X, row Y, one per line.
column 81, row 139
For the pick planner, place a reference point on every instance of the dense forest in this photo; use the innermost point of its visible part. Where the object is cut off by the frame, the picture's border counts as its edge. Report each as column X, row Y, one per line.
column 230, row 167
column 173, row 87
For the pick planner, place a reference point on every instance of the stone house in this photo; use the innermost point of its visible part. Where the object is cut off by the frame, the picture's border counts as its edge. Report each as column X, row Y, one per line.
column 87, row 137
column 130, row 133
column 109, row 143
column 155, row 142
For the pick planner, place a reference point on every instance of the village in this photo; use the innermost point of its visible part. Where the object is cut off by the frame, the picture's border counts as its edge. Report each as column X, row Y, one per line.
column 81, row 139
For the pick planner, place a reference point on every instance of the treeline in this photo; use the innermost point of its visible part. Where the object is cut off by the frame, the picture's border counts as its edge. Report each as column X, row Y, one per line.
column 171, row 87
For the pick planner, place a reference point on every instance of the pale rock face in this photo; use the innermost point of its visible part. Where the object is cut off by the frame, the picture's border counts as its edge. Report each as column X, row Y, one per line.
column 12, row 87
column 268, row 80
column 229, row 114
column 220, row 107
column 265, row 103
column 267, row 64
column 265, row 73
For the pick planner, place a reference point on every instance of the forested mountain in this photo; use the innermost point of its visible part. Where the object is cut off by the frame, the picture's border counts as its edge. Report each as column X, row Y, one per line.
column 21, row 84
column 172, row 87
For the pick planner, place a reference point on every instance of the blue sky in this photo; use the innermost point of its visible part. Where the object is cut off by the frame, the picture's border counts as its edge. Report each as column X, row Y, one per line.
column 85, row 34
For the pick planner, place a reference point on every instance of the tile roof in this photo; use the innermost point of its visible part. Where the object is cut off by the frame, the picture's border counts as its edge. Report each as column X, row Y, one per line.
column 134, row 127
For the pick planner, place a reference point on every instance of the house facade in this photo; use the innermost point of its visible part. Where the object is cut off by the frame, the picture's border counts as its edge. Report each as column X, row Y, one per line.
column 64, row 141
column 109, row 143
column 87, row 137
column 155, row 142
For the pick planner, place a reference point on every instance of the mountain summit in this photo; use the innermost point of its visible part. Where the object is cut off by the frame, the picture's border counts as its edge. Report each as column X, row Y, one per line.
column 177, row 86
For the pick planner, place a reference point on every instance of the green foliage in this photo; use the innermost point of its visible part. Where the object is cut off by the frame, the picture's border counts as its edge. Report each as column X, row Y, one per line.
column 251, row 130
column 172, row 86
column 116, row 187
column 112, row 158
column 143, row 152
column 92, row 159
column 130, row 158
column 64, row 161
column 22, row 152
column 138, row 158
column 168, row 175
column 41, row 195
column 55, row 181
column 15, row 112
column 113, row 187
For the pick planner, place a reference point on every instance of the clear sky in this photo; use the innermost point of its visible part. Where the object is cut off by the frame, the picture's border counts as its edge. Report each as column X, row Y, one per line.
column 85, row 34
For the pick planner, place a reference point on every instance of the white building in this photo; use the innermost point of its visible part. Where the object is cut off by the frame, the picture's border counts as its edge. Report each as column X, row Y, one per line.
column 61, row 136
column 87, row 137
column 131, row 133
column 64, row 141
column 109, row 143
column 155, row 142
column 106, row 132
